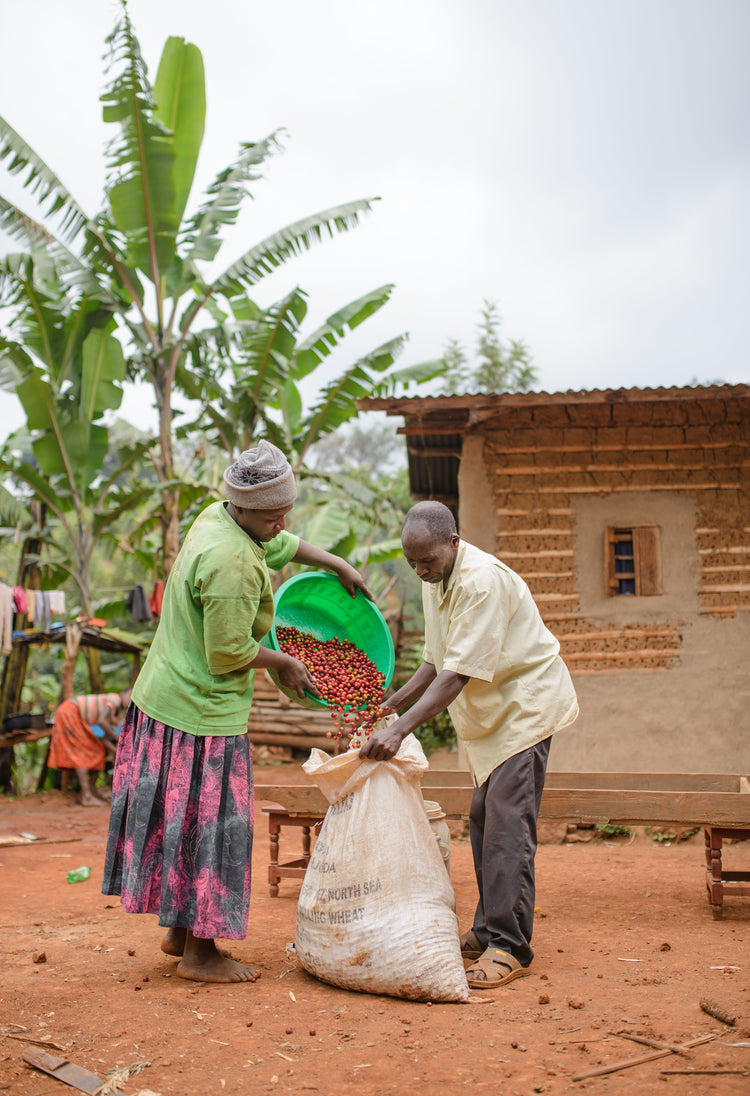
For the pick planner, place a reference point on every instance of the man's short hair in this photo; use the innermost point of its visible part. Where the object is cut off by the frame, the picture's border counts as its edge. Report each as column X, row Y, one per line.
column 434, row 516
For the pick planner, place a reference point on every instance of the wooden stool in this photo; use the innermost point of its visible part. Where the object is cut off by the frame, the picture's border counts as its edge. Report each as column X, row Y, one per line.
column 279, row 816
column 721, row 882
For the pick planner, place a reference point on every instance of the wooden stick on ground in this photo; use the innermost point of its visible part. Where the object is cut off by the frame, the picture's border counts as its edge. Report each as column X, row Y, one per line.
column 707, row 1072
column 655, row 1043
column 616, row 1066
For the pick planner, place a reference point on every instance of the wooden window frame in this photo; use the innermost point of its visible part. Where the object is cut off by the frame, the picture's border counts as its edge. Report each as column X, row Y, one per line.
column 646, row 572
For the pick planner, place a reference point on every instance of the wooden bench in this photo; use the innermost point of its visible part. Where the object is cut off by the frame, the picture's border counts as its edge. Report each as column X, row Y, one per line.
column 717, row 802
column 278, row 817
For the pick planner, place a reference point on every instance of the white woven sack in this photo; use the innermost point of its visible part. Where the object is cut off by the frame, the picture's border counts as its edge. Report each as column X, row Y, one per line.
column 376, row 911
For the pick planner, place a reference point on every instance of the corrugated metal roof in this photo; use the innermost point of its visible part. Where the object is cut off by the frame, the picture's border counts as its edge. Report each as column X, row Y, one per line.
column 436, row 425
column 402, row 404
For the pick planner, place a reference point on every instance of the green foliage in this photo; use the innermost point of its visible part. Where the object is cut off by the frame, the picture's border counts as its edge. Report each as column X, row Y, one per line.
column 260, row 395
column 246, row 377
column 439, row 731
column 663, row 837
column 142, row 235
column 457, row 372
column 26, row 767
column 499, row 367
column 613, row 829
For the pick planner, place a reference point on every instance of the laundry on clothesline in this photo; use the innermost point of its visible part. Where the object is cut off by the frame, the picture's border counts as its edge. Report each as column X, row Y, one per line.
column 137, row 604
column 157, row 596
column 41, row 604
column 6, row 618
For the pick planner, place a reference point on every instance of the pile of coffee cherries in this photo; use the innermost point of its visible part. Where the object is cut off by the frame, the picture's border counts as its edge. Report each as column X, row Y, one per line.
column 348, row 680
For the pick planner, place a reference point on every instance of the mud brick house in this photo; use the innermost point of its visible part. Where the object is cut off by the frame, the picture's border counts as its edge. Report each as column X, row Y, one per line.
column 628, row 514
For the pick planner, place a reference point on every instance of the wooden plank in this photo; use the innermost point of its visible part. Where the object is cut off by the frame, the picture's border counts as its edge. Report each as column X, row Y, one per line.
column 296, row 741
column 616, row 781
column 635, row 781
column 67, row 1072
column 446, row 777
column 13, row 738
column 642, row 808
column 583, row 805
column 298, row 799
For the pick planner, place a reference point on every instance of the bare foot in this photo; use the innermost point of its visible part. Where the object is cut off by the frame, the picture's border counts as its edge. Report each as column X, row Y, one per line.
column 203, row 962
column 104, row 793
column 91, row 801
column 174, row 944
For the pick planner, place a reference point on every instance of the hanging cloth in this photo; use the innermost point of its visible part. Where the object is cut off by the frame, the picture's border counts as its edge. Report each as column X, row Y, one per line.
column 6, row 618
column 157, row 596
column 57, row 601
column 137, row 604
column 30, row 604
column 19, row 600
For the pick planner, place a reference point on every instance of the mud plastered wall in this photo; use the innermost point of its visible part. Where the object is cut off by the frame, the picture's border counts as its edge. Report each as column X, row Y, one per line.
column 663, row 681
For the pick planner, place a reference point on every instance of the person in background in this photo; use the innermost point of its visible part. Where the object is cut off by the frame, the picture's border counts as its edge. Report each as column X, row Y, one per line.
column 180, row 832
column 74, row 745
column 489, row 659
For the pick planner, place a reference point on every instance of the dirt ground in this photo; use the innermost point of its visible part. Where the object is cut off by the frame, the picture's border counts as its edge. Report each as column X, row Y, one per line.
column 625, row 944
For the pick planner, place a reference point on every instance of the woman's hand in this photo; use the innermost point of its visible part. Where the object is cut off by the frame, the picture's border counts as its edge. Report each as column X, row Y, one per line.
column 348, row 576
column 351, row 580
column 294, row 675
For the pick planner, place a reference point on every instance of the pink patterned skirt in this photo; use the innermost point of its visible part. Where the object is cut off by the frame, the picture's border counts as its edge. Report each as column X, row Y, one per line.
column 181, row 827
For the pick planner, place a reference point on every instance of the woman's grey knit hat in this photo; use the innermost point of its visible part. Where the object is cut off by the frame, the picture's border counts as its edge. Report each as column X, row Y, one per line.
column 260, row 479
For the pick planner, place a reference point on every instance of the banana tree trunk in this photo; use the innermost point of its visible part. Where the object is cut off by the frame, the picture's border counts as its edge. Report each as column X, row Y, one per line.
column 94, row 661
column 73, row 634
column 169, row 517
column 170, row 530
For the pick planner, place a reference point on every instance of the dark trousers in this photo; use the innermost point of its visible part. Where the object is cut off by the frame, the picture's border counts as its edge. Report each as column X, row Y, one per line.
column 502, row 825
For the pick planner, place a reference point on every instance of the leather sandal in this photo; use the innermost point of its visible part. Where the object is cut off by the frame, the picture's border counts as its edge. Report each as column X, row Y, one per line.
column 494, row 968
column 471, row 949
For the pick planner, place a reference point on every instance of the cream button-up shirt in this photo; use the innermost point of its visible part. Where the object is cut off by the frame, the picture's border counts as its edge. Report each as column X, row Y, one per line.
column 485, row 624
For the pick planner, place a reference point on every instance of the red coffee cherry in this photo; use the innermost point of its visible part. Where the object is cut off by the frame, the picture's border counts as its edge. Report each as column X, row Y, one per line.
column 348, row 680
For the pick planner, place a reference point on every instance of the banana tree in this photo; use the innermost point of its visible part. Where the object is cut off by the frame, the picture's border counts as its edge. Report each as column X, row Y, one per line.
column 261, row 394
column 142, row 258
column 67, row 368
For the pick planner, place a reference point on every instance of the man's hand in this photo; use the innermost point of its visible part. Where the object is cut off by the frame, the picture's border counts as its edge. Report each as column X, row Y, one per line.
column 384, row 744
column 295, row 675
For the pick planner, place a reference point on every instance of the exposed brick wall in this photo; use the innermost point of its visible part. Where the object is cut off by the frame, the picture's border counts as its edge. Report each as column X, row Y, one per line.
column 541, row 460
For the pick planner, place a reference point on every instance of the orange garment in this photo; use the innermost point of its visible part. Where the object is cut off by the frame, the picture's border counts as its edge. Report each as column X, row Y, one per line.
column 97, row 707
column 157, row 597
column 73, row 744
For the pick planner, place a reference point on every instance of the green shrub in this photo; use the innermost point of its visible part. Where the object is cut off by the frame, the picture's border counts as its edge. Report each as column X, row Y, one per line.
column 435, row 733
column 613, row 829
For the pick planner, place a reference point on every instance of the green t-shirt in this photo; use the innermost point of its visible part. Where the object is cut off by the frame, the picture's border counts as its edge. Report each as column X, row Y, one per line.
column 218, row 605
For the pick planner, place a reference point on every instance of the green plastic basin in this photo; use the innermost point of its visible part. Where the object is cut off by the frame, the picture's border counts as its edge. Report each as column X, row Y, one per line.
column 317, row 603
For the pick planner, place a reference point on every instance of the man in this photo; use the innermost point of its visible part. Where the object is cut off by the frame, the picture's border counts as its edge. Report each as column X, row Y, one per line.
column 489, row 659
column 75, row 745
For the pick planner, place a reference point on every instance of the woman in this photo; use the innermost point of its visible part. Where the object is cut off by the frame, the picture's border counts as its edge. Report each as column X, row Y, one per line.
column 75, row 745
column 180, row 834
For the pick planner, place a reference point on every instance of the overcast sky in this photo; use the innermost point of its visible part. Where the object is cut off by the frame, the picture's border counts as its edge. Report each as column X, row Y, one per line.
column 584, row 163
